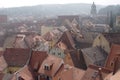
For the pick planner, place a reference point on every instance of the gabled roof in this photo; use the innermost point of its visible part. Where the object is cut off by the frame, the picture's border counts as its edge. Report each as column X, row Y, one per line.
column 29, row 40
column 24, row 73
column 50, row 66
column 96, row 55
column 112, row 37
column 116, row 71
column 67, row 39
column 17, row 56
column 115, row 50
column 19, row 42
column 95, row 73
column 49, row 36
column 36, row 59
column 3, row 63
column 71, row 73
column 75, row 58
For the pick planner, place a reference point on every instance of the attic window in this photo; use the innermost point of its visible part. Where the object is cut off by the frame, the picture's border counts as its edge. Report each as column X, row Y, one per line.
column 111, row 63
column 47, row 67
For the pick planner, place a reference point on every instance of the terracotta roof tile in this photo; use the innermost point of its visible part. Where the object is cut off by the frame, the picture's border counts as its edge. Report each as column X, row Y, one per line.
column 37, row 58
column 48, row 36
column 67, row 39
column 93, row 73
column 50, row 65
column 71, row 73
column 24, row 73
column 115, row 49
column 16, row 56
column 112, row 37
column 19, row 42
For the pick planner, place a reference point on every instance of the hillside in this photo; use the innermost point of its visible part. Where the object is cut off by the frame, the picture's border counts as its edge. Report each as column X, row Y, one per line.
column 49, row 10
column 115, row 9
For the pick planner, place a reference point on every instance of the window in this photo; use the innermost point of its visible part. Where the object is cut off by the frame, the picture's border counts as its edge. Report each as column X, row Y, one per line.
column 47, row 67
column 111, row 63
column 59, row 54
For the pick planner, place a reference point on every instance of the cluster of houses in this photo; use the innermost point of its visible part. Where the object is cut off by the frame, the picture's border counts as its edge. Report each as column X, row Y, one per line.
column 74, row 51
column 99, row 62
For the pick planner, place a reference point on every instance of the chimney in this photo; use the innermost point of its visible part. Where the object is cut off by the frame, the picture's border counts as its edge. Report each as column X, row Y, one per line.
column 100, row 73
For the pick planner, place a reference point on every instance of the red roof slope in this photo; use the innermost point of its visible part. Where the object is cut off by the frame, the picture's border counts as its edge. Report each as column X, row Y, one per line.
column 16, row 56
column 37, row 58
column 50, row 66
column 115, row 49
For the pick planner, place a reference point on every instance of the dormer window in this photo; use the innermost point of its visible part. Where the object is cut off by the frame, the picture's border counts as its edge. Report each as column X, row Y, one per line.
column 47, row 67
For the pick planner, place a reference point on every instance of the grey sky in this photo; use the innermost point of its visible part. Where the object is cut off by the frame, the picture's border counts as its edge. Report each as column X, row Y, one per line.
column 17, row 3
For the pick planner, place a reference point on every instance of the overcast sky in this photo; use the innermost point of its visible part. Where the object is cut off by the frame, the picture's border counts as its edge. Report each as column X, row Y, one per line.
column 17, row 3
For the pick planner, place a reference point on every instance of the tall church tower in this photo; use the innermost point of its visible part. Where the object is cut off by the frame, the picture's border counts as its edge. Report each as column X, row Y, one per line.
column 93, row 10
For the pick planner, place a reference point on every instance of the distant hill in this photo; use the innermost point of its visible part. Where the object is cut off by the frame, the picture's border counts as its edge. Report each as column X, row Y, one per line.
column 49, row 10
column 115, row 9
column 112, row 11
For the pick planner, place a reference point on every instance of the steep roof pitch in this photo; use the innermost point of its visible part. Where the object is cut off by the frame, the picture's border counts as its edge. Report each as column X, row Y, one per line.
column 75, row 58
column 37, row 58
column 3, row 63
column 71, row 73
column 95, row 72
column 24, row 73
column 67, row 39
column 16, row 56
column 19, row 42
column 115, row 50
column 116, row 71
column 96, row 55
column 49, row 36
column 50, row 66
column 112, row 37
column 29, row 41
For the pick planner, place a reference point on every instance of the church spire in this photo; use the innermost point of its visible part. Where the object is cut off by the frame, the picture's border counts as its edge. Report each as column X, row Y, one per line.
column 93, row 9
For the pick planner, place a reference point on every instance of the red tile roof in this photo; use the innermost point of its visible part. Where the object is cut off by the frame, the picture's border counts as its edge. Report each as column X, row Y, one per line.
column 25, row 73
column 16, row 56
column 71, row 73
column 19, row 42
column 115, row 49
column 50, row 66
column 95, row 72
column 37, row 58
column 112, row 37
column 67, row 39
column 49, row 36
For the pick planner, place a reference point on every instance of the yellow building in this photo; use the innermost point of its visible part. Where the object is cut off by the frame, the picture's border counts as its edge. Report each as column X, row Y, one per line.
column 105, row 40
